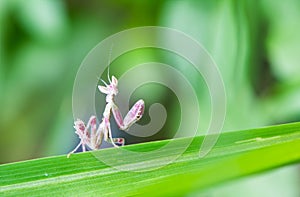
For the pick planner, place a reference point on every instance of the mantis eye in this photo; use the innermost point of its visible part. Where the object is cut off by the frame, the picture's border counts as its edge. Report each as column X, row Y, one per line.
column 114, row 80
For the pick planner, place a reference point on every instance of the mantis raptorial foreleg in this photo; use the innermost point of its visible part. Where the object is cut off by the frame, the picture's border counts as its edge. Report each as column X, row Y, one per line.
column 134, row 114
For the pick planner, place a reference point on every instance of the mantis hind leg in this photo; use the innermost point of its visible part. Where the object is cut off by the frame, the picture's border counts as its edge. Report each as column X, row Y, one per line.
column 116, row 141
column 73, row 151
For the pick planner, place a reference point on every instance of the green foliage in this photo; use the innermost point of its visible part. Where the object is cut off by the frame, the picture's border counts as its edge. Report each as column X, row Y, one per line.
column 237, row 154
column 42, row 43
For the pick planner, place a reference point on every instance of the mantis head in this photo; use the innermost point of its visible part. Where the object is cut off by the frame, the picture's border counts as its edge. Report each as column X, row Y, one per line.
column 110, row 89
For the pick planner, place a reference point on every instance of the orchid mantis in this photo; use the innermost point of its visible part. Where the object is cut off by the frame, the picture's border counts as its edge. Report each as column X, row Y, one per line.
column 94, row 138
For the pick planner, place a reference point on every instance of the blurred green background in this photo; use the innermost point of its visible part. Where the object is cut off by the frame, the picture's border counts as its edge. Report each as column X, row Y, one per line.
column 256, row 45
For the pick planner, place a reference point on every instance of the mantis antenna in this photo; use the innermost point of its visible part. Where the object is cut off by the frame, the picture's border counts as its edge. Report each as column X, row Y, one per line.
column 108, row 63
column 109, row 56
column 102, row 81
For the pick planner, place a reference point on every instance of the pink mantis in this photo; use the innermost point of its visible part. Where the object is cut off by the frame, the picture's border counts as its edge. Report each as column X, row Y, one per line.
column 94, row 138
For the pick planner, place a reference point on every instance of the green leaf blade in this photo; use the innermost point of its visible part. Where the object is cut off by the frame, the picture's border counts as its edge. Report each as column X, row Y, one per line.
column 235, row 155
